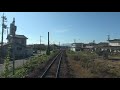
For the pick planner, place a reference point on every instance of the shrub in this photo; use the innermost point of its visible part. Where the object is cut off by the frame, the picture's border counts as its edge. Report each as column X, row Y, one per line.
column 6, row 63
column 29, row 66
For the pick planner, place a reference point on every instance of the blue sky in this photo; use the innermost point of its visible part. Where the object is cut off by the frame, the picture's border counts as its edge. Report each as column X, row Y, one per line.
column 64, row 27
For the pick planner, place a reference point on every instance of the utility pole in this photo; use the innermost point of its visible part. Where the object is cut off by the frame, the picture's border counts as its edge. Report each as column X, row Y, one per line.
column 74, row 40
column 13, row 57
column 108, row 43
column 13, row 44
column 108, row 37
column 53, row 46
column 48, row 48
column 79, row 40
column 3, row 27
column 93, row 42
column 59, row 45
column 40, row 44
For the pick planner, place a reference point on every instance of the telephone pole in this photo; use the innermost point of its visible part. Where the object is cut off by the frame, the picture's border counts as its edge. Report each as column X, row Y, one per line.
column 13, row 43
column 79, row 40
column 13, row 56
column 108, row 37
column 40, row 44
column 74, row 40
column 3, row 27
column 59, row 45
column 53, row 46
column 48, row 48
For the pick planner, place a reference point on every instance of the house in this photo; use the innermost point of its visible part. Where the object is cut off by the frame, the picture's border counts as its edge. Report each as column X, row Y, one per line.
column 114, row 42
column 89, row 47
column 76, row 46
column 102, row 46
column 111, row 45
column 114, row 45
column 37, row 47
column 29, row 50
column 17, row 43
column 54, row 47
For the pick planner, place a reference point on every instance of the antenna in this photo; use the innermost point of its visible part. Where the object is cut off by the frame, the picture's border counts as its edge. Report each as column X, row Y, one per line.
column 74, row 40
column 108, row 37
column 79, row 40
column 59, row 45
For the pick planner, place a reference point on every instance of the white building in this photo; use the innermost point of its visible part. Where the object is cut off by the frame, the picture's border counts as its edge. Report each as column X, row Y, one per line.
column 114, row 42
column 76, row 46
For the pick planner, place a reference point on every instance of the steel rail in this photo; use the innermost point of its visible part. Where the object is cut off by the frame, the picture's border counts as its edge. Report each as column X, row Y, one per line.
column 58, row 67
column 44, row 73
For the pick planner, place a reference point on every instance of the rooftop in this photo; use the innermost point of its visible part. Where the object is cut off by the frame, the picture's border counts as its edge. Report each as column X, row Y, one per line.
column 19, row 36
column 114, row 40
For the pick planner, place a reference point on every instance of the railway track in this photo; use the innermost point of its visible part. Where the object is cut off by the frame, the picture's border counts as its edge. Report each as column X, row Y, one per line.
column 53, row 69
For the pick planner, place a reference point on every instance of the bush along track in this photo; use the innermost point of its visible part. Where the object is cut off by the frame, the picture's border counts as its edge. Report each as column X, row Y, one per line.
column 6, row 63
column 29, row 66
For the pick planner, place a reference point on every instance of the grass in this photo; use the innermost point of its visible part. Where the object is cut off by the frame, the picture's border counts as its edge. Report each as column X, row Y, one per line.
column 87, row 64
column 29, row 66
column 114, row 57
column 77, row 71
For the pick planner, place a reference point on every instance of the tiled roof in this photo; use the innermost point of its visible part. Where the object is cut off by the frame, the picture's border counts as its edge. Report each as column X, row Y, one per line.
column 114, row 40
column 19, row 36
column 15, row 43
